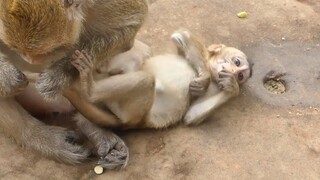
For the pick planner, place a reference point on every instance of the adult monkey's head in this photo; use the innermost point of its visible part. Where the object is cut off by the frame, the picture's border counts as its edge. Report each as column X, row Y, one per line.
column 40, row 30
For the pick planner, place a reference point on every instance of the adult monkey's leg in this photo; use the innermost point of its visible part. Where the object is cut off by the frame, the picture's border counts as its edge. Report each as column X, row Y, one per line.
column 52, row 141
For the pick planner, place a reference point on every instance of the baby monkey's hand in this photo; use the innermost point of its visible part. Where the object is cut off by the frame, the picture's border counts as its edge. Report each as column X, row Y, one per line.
column 227, row 82
column 199, row 85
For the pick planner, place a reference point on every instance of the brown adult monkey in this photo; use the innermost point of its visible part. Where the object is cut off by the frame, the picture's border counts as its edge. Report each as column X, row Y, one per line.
column 47, row 32
column 57, row 142
column 159, row 94
column 112, row 150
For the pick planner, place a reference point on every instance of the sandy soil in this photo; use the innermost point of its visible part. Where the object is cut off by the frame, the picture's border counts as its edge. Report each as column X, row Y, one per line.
column 258, row 135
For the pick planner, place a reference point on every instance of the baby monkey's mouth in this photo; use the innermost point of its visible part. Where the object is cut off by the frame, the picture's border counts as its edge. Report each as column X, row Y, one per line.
column 218, row 66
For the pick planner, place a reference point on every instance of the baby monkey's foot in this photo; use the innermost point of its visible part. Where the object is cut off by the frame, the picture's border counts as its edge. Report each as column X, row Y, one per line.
column 83, row 63
column 181, row 38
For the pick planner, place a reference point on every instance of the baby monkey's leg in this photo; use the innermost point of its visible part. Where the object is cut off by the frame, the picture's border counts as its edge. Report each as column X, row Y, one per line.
column 81, row 99
column 196, row 54
column 83, row 63
column 127, row 89
column 112, row 88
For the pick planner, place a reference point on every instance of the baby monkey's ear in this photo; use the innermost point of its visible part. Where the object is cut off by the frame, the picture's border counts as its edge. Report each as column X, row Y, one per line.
column 214, row 49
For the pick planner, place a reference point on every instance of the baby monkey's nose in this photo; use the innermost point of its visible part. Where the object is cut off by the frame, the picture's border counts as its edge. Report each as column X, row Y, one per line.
column 229, row 67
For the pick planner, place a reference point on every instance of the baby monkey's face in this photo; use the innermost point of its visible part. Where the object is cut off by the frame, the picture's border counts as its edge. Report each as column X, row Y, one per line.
column 231, row 60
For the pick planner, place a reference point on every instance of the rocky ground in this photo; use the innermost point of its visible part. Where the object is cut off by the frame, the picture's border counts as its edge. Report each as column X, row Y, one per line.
column 258, row 135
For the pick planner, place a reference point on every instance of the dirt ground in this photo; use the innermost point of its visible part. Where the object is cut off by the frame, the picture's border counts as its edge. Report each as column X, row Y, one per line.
column 258, row 135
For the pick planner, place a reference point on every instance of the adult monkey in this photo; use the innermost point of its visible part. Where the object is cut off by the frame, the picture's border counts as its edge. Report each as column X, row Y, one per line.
column 47, row 32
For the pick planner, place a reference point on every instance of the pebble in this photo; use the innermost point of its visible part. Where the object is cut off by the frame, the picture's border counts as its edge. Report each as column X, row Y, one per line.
column 242, row 14
column 98, row 170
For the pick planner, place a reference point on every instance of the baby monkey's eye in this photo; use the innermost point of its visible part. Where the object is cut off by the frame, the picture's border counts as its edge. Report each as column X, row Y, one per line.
column 68, row 3
column 236, row 61
column 240, row 76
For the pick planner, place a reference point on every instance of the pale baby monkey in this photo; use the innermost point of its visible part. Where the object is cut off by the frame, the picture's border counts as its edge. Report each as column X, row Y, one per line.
column 168, row 88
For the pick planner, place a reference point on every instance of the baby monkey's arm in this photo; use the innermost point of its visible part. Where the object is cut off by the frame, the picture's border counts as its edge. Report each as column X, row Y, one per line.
column 196, row 54
column 202, row 107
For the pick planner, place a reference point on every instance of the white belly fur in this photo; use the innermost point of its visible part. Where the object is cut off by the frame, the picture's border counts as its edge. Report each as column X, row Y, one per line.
column 173, row 75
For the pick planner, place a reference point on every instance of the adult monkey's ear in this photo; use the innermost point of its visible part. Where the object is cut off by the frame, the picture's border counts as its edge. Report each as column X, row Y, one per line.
column 68, row 3
column 74, row 8
column 76, row 3
column 214, row 49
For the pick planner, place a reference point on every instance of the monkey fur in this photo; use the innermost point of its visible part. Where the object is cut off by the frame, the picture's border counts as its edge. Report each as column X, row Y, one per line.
column 160, row 93
column 46, row 33
column 149, row 92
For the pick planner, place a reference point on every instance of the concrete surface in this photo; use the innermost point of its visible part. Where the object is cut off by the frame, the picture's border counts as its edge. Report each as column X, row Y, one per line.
column 258, row 135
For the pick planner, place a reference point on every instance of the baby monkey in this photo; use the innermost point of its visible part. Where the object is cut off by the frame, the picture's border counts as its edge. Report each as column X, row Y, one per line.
column 169, row 88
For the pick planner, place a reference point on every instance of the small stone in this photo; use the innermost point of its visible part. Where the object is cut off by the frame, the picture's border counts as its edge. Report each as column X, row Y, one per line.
column 242, row 14
column 167, row 165
column 278, row 116
column 283, row 38
column 314, row 145
column 98, row 170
